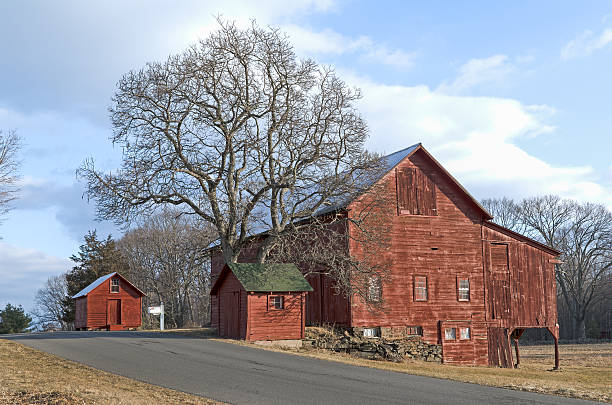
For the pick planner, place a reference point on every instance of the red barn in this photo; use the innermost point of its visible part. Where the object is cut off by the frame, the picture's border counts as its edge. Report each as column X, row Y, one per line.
column 260, row 301
column 111, row 302
column 456, row 278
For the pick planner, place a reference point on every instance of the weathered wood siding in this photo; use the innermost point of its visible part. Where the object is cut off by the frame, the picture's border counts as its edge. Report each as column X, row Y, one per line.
column 97, row 305
column 441, row 247
column 266, row 323
column 528, row 290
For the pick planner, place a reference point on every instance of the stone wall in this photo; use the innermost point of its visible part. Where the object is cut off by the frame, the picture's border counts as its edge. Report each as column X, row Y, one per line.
column 381, row 348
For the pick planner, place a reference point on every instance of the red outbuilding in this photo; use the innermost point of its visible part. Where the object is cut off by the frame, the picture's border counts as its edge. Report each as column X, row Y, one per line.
column 261, row 301
column 111, row 302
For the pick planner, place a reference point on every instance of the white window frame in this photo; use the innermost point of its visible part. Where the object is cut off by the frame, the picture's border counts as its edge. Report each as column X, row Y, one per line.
column 450, row 333
column 463, row 293
column 113, row 285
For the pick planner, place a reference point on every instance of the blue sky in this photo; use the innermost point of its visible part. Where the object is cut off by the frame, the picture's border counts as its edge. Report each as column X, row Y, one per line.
column 512, row 97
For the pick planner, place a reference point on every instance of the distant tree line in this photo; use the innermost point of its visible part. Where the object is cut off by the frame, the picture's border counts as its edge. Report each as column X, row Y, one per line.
column 582, row 232
column 163, row 256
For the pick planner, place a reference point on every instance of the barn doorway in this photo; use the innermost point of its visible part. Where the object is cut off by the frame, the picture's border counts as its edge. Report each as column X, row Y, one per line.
column 231, row 314
column 499, row 281
column 114, row 312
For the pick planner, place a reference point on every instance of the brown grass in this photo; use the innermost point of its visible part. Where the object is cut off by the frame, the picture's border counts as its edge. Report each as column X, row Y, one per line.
column 585, row 372
column 28, row 376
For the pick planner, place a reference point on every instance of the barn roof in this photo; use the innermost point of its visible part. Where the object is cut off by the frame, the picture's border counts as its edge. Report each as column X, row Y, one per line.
column 101, row 280
column 265, row 277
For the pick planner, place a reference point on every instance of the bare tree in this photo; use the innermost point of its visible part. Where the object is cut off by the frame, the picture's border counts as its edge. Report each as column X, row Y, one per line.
column 167, row 260
column 587, row 261
column 239, row 132
column 9, row 166
column 505, row 212
column 49, row 308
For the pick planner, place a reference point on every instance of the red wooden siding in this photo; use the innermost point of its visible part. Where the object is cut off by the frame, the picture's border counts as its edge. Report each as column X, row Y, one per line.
column 266, row 323
column 441, row 247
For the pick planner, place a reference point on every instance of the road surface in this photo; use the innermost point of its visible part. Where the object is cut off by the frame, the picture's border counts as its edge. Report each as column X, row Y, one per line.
column 244, row 375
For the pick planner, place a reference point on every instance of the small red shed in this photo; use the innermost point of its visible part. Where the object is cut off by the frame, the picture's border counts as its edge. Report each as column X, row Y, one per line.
column 261, row 301
column 111, row 302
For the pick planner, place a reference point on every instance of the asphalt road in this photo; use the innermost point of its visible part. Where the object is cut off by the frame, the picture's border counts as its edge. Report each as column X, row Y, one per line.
column 245, row 375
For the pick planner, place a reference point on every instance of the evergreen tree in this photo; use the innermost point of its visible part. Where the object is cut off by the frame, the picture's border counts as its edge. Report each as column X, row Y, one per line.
column 95, row 258
column 14, row 320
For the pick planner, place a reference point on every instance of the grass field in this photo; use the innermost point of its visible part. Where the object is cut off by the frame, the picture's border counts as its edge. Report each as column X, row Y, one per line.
column 28, row 376
column 585, row 372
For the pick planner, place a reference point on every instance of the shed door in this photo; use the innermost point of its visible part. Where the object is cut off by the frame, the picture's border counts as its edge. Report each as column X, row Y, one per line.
column 230, row 314
column 114, row 312
column 499, row 281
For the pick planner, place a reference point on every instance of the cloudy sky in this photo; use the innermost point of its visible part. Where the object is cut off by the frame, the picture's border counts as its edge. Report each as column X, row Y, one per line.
column 513, row 98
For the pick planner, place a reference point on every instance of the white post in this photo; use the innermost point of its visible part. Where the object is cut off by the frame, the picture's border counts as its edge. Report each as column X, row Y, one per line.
column 161, row 317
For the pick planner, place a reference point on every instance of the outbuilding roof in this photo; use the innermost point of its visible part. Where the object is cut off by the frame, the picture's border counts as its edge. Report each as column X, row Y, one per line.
column 265, row 277
column 101, row 280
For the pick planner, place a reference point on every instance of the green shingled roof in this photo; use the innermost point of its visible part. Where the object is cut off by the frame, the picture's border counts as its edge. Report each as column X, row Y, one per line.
column 269, row 277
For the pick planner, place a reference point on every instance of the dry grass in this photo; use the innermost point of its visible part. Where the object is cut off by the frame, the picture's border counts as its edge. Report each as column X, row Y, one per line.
column 29, row 376
column 585, row 372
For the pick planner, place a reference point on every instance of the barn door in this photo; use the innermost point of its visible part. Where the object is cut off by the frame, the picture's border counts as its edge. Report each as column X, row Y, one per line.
column 499, row 281
column 230, row 314
column 500, row 353
column 114, row 312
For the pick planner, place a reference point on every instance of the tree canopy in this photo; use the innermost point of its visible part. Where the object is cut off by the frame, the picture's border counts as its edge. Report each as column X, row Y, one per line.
column 237, row 131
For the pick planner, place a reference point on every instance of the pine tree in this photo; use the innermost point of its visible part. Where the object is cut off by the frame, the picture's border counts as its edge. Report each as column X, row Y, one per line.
column 14, row 320
column 95, row 258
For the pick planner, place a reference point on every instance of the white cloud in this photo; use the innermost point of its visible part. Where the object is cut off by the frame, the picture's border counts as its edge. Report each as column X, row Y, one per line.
column 586, row 43
column 23, row 271
column 475, row 138
column 328, row 41
column 476, row 72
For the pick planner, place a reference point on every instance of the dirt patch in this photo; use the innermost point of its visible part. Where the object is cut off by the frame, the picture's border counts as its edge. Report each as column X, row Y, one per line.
column 29, row 376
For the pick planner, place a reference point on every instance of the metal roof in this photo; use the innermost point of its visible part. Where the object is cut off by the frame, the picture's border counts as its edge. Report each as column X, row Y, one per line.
column 266, row 277
column 93, row 285
column 101, row 280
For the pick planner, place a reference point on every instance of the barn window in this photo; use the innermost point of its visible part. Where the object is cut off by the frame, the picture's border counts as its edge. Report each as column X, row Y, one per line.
column 463, row 286
column 374, row 289
column 115, row 285
column 371, row 332
column 464, row 333
column 276, row 302
column 420, row 288
column 414, row 330
column 450, row 333
column 416, row 193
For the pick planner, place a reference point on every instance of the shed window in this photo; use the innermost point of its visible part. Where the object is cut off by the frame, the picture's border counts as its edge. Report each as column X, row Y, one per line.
column 450, row 333
column 414, row 330
column 420, row 288
column 464, row 333
column 416, row 193
column 276, row 302
column 374, row 289
column 115, row 285
column 463, row 286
